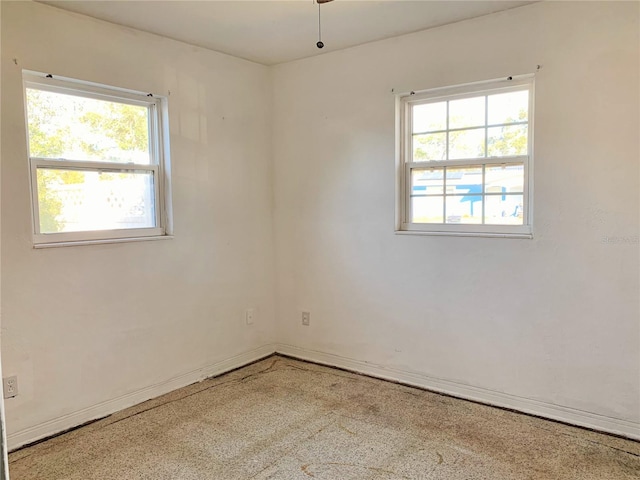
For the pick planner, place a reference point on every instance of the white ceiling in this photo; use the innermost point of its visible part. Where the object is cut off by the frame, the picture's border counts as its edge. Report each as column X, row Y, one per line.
column 271, row 32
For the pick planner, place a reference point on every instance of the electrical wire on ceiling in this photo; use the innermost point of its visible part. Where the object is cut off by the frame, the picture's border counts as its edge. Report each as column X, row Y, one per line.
column 320, row 43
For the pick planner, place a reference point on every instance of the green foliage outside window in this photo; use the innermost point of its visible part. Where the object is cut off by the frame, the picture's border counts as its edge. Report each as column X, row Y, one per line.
column 99, row 128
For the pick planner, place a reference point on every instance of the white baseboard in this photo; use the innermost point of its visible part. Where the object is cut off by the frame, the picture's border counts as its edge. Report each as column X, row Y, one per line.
column 60, row 424
column 555, row 412
column 561, row 413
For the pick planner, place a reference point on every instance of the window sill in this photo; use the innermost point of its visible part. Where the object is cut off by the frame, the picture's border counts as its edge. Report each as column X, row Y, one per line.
column 465, row 234
column 78, row 243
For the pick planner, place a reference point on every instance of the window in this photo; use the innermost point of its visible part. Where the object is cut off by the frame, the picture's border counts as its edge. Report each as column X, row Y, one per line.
column 464, row 159
column 97, row 161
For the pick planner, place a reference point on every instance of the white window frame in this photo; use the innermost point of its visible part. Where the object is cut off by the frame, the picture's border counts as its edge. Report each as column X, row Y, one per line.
column 404, row 163
column 159, row 161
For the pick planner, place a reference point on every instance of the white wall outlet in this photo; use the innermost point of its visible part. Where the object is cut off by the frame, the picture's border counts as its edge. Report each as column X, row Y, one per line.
column 10, row 386
column 249, row 316
column 306, row 317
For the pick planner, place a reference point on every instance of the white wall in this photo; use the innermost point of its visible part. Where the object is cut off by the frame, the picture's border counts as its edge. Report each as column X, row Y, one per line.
column 549, row 325
column 4, row 463
column 86, row 325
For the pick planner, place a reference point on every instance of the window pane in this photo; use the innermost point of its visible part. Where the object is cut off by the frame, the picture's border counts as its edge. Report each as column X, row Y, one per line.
column 79, row 128
column 509, row 107
column 504, row 179
column 431, row 146
column 464, row 209
column 426, row 209
column 468, row 112
column 464, row 180
column 466, row 144
column 429, row 117
column 503, row 210
column 81, row 200
column 427, row 182
column 507, row 140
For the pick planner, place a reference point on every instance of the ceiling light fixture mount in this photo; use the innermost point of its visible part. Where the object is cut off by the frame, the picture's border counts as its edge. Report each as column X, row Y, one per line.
column 320, row 43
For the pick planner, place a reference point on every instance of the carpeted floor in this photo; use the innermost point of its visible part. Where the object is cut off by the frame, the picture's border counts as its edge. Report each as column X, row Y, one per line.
column 285, row 419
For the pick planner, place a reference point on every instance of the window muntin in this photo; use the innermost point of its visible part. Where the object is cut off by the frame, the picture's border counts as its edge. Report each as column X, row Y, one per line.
column 484, row 194
column 465, row 159
column 96, row 161
column 488, row 125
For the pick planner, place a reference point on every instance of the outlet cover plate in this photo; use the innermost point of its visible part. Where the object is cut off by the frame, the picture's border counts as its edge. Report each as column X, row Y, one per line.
column 10, row 386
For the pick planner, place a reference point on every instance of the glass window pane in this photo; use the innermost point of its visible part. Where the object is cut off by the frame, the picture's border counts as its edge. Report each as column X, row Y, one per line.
column 503, row 210
column 81, row 200
column 464, row 209
column 466, row 144
column 431, row 146
column 507, row 140
column 509, row 107
column 504, row 179
column 467, row 112
column 427, row 182
column 79, row 128
column 429, row 117
column 464, row 180
column 426, row 209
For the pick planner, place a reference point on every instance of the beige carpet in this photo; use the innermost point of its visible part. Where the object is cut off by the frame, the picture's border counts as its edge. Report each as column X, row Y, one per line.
column 285, row 419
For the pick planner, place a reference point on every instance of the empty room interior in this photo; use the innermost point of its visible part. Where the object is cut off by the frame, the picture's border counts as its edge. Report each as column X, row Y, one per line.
column 339, row 239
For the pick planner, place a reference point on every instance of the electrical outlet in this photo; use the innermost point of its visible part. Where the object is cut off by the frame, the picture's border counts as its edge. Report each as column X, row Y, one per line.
column 10, row 386
column 306, row 317
column 249, row 315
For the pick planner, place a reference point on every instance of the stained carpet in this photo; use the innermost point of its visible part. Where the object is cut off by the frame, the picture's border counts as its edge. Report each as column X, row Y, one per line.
column 286, row 419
